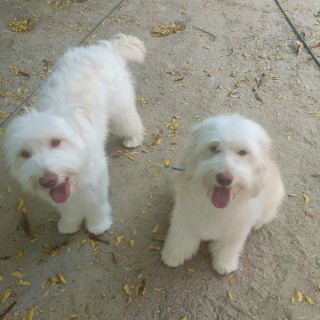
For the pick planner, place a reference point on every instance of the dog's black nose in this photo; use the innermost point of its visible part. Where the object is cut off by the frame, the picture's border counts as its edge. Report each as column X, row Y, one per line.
column 224, row 179
column 49, row 180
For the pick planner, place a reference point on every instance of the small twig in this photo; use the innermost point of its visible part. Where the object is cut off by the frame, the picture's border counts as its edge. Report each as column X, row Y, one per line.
column 97, row 238
column 214, row 37
column 3, row 315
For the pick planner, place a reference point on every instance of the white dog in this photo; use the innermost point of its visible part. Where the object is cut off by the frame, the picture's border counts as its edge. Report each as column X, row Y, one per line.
column 56, row 150
column 229, row 185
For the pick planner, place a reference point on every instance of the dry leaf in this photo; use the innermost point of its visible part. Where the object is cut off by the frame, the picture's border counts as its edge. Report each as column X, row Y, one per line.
column 296, row 296
column 155, row 229
column 308, row 214
column 230, row 296
column 306, row 199
column 1, row 278
column 128, row 291
column 310, row 301
column 157, row 140
column 45, row 294
column 292, row 195
column 156, row 174
column 24, row 283
column 154, row 248
column 5, row 295
column 21, row 203
column 140, row 289
column 190, row 270
column 62, row 279
column 118, row 241
column 289, row 137
column 4, row 314
column 17, row 274
column 20, row 254
column 131, row 243
column 31, row 313
column 115, row 258
column 167, row 163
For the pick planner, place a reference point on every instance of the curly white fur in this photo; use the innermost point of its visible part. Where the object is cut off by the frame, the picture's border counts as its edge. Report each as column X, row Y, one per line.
column 56, row 150
column 230, row 185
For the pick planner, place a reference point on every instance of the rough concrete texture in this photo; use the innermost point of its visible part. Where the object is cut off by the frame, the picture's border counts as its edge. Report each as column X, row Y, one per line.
column 187, row 76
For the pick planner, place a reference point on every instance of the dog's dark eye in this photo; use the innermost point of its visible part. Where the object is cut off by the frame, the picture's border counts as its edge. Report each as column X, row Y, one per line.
column 214, row 149
column 242, row 152
column 55, row 143
column 25, row 154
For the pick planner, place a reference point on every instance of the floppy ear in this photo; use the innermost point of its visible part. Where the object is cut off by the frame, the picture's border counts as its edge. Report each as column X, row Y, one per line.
column 264, row 159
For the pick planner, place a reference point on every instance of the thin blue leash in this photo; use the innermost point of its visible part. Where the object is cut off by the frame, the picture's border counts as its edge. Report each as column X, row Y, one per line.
column 14, row 112
column 177, row 169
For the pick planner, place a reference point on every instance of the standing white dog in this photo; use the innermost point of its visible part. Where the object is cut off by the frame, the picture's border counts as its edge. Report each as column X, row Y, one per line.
column 229, row 185
column 56, row 150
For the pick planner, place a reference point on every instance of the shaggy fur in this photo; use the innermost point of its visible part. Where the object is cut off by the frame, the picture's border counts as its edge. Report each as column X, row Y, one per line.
column 56, row 150
column 230, row 185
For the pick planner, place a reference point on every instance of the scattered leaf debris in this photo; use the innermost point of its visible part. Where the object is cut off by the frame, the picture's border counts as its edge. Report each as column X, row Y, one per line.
column 166, row 30
column 20, row 26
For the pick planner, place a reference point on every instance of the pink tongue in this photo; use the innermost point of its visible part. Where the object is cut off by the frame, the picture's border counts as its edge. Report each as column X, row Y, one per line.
column 61, row 193
column 221, row 197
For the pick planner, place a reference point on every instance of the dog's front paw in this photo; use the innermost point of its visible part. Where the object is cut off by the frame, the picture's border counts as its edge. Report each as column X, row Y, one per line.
column 67, row 227
column 99, row 228
column 132, row 142
column 225, row 266
column 172, row 259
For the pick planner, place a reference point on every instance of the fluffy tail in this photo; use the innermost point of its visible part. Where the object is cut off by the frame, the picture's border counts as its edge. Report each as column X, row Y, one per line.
column 129, row 47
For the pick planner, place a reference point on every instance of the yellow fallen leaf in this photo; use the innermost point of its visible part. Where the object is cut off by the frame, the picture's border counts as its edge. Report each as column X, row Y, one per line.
column 310, row 301
column 118, row 240
column 128, row 292
column 20, row 254
column 17, row 274
column 154, row 248
column 24, row 283
column 155, row 229
column 296, row 296
column 230, row 296
column 167, row 163
column 31, row 313
column 156, row 174
column 5, row 295
column 93, row 244
column 21, row 203
column 157, row 289
column 140, row 289
column 131, row 243
column 308, row 214
column 43, row 284
column 289, row 137
column 45, row 294
column 62, row 279
column 317, row 114
column 292, row 195
column 306, row 198
column 184, row 318
column 190, row 270
column 298, row 82
column 1, row 278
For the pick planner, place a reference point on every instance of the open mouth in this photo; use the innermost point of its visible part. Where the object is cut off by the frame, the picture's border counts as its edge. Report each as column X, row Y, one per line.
column 61, row 193
column 221, row 196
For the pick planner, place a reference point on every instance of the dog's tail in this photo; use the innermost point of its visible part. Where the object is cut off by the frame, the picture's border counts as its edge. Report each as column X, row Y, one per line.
column 129, row 47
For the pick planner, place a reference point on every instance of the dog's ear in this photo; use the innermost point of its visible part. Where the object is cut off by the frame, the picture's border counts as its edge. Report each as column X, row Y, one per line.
column 262, row 167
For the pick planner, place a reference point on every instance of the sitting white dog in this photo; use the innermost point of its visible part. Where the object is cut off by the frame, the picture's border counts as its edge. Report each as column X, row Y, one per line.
column 56, row 150
column 229, row 185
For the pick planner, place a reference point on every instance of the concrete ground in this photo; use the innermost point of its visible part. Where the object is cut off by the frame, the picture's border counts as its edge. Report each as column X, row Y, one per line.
column 211, row 67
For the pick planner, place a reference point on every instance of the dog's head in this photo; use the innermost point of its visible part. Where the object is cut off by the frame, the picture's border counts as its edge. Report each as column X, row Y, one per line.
column 227, row 155
column 45, row 154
